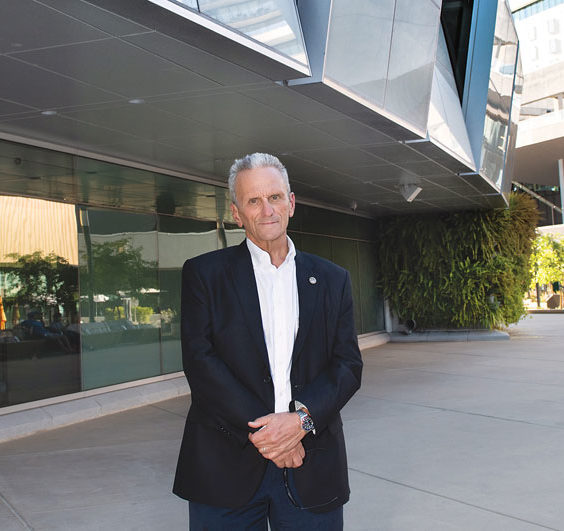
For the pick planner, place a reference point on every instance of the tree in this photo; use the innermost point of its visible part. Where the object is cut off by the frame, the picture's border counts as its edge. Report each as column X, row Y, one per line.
column 42, row 281
column 118, row 266
column 547, row 260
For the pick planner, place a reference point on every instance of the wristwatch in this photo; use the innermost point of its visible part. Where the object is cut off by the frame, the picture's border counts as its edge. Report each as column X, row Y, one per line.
column 306, row 420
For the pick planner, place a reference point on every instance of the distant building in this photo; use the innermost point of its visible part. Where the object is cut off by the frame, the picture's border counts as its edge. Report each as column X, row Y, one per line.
column 540, row 140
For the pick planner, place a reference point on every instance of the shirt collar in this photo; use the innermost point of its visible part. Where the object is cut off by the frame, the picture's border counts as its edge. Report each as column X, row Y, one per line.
column 261, row 258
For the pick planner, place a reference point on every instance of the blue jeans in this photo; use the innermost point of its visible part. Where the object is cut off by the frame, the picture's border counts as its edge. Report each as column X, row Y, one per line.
column 271, row 503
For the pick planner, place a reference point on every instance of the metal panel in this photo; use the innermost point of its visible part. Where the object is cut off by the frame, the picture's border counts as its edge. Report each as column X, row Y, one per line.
column 358, row 46
column 412, row 57
column 28, row 25
column 118, row 67
column 446, row 125
column 20, row 82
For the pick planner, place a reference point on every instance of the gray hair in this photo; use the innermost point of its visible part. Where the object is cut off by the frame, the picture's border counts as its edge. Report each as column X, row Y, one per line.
column 250, row 162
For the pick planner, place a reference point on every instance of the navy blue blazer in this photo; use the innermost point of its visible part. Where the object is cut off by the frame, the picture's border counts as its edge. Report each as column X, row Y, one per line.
column 226, row 363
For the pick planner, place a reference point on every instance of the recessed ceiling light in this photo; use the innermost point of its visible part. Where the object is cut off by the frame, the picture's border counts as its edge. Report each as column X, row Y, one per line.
column 137, row 101
column 48, row 113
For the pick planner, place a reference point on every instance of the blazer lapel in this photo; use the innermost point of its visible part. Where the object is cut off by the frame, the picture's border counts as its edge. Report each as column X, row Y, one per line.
column 308, row 289
column 243, row 278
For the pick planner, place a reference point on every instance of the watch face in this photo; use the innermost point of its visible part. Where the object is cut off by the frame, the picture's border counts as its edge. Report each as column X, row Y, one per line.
column 307, row 423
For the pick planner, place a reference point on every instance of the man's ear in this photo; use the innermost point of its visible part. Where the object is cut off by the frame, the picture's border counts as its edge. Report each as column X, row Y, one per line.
column 292, row 198
column 235, row 213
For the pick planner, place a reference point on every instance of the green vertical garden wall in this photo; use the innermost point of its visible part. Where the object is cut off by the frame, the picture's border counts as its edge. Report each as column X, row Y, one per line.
column 458, row 270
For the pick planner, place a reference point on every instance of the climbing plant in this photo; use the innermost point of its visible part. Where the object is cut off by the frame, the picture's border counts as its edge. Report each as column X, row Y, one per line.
column 459, row 270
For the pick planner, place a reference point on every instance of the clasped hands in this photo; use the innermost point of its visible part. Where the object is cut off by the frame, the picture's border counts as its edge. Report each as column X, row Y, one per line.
column 279, row 439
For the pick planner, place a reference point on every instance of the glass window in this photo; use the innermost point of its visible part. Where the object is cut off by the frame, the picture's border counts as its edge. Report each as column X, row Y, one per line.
column 271, row 22
column 500, row 90
column 39, row 338
column 193, row 4
column 233, row 234
column 178, row 240
column 371, row 296
column 345, row 254
column 456, row 19
column 119, row 297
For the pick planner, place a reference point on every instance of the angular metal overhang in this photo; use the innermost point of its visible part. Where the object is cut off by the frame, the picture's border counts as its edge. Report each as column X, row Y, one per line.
column 176, row 21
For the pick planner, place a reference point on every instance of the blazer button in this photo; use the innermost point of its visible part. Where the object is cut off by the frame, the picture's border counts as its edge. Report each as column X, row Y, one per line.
column 267, row 380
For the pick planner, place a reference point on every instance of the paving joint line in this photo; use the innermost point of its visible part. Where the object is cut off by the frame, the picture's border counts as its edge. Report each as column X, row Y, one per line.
column 17, row 515
column 430, row 492
column 168, row 411
column 486, row 356
column 437, row 408
column 472, row 376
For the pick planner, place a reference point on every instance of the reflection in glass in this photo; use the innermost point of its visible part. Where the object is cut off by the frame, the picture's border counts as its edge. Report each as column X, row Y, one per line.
column 456, row 19
column 371, row 295
column 188, row 3
column 514, row 120
column 119, row 297
column 345, row 253
column 498, row 108
column 233, row 235
column 178, row 240
column 271, row 22
column 39, row 345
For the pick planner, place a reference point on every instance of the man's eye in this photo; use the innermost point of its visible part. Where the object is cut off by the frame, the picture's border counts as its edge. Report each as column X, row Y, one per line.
column 275, row 197
column 253, row 201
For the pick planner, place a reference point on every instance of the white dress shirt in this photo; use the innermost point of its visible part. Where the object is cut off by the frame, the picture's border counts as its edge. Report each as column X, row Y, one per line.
column 279, row 307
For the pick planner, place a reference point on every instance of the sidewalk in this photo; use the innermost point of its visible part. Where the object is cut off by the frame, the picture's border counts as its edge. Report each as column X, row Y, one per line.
column 442, row 436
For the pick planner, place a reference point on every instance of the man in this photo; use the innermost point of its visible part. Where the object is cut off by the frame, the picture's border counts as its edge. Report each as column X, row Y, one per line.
column 270, row 352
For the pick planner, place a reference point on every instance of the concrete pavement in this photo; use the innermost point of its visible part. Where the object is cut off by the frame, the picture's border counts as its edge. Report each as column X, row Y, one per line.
column 442, row 436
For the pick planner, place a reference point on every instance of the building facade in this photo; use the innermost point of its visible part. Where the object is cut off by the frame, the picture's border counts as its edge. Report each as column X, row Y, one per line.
column 119, row 121
column 540, row 142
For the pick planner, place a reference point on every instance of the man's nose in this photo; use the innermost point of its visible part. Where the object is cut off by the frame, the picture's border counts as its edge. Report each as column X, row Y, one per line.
column 267, row 209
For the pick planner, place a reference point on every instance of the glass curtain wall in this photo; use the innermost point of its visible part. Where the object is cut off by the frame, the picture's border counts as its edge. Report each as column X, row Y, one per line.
column 456, row 19
column 91, row 291
column 119, row 296
column 500, row 92
column 274, row 23
column 39, row 339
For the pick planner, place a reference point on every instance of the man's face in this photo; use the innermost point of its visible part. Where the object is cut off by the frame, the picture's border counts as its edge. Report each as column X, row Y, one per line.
column 264, row 206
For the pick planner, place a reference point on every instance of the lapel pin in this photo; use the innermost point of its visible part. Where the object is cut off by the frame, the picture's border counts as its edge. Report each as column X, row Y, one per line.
column 312, row 280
